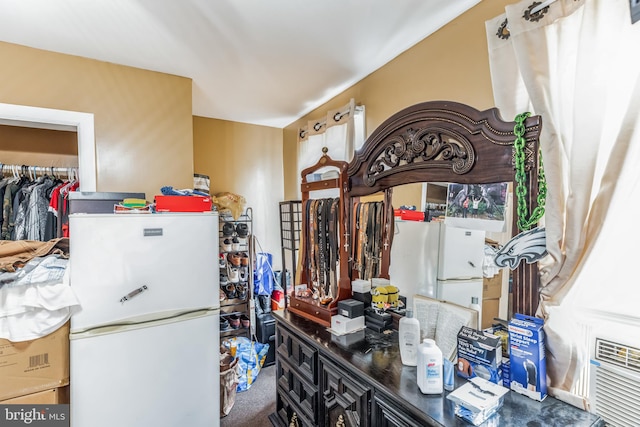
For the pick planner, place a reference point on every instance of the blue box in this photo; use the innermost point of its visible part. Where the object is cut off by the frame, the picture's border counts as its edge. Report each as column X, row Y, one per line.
column 528, row 357
column 479, row 355
column 506, row 373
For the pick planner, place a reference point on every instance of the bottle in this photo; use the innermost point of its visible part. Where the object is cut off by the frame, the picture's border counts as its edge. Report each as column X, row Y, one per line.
column 409, row 338
column 429, row 367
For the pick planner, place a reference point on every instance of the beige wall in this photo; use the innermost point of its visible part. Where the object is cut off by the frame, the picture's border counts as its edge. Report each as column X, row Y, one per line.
column 143, row 119
column 247, row 160
column 451, row 64
column 38, row 147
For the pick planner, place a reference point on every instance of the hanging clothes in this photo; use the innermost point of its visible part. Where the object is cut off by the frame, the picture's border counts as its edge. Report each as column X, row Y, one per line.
column 28, row 200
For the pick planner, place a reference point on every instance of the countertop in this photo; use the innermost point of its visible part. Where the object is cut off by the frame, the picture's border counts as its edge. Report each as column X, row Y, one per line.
column 377, row 358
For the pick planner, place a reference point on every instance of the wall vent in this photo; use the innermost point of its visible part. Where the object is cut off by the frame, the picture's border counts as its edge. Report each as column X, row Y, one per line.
column 616, row 383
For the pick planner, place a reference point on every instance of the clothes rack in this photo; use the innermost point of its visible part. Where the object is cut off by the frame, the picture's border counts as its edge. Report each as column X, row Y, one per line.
column 58, row 172
column 35, row 201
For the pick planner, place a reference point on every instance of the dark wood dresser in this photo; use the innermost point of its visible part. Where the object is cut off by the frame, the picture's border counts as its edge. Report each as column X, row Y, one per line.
column 323, row 382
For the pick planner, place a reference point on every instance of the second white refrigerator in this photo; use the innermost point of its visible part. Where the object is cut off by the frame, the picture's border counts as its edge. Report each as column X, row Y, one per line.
column 144, row 347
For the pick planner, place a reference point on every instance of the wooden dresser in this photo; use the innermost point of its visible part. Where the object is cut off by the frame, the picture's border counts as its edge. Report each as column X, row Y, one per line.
column 324, row 383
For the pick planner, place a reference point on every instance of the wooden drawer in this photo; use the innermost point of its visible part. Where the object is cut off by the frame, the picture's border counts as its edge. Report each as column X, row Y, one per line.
column 289, row 413
column 298, row 354
column 301, row 393
column 387, row 413
column 345, row 397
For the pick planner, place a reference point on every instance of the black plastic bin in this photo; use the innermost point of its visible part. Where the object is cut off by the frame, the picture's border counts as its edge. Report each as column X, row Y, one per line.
column 266, row 334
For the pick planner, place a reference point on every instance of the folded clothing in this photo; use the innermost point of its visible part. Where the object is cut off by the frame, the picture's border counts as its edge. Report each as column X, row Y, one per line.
column 170, row 191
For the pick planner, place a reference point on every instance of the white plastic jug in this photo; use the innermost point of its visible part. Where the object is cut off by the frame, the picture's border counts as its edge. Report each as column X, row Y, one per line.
column 429, row 367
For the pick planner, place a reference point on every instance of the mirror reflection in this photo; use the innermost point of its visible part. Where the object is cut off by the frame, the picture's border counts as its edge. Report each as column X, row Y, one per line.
column 451, row 262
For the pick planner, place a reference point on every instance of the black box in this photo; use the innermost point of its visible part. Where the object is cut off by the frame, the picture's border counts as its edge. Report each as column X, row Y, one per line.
column 365, row 297
column 375, row 327
column 371, row 320
column 380, row 317
column 97, row 202
column 351, row 308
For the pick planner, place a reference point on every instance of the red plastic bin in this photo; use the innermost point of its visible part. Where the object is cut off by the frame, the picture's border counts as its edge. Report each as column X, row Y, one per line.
column 183, row 203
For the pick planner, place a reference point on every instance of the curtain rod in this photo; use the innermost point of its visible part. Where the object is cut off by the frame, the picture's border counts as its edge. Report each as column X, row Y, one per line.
column 337, row 116
column 541, row 6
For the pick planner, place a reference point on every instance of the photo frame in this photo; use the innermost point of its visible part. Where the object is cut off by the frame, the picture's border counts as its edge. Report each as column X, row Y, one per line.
column 477, row 206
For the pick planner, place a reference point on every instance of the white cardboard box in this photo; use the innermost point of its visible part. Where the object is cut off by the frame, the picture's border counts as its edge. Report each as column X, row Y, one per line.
column 343, row 325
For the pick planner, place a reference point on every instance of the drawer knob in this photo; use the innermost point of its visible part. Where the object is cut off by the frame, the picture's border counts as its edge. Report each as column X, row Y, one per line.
column 293, row 422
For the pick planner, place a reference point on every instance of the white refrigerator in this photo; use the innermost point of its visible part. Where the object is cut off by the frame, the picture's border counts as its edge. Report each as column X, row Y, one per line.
column 459, row 278
column 144, row 347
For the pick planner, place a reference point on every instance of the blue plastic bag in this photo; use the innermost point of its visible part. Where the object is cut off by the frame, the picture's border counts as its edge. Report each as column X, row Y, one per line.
column 251, row 356
column 263, row 274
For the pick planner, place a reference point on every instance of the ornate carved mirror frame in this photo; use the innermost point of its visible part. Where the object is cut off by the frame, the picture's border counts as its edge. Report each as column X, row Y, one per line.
column 442, row 141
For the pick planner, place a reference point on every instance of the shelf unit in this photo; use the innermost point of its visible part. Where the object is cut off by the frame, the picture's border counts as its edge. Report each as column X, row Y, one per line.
column 290, row 226
column 243, row 249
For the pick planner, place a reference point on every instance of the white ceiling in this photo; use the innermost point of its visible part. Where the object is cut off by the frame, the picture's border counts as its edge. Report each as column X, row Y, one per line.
column 265, row 62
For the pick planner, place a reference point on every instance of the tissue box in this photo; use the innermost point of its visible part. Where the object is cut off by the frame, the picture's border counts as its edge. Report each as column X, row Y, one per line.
column 477, row 400
column 344, row 325
column 479, row 355
column 351, row 308
column 527, row 356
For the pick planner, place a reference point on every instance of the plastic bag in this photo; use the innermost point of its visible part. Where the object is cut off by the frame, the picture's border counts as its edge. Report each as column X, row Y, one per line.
column 263, row 283
column 228, row 382
column 229, row 202
column 251, row 356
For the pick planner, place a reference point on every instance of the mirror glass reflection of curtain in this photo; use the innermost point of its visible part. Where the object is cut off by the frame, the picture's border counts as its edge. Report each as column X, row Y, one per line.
column 576, row 64
column 341, row 131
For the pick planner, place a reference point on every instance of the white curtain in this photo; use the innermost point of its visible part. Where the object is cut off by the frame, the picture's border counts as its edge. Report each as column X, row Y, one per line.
column 341, row 131
column 577, row 64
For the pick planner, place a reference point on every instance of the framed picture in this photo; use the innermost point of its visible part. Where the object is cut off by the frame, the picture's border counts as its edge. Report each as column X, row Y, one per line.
column 478, row 206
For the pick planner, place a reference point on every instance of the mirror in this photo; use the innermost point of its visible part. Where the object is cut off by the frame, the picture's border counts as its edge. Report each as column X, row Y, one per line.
column 415, row 251
column 441, row 142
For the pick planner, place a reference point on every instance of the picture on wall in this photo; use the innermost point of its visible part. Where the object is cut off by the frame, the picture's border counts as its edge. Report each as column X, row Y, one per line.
column 480, row 206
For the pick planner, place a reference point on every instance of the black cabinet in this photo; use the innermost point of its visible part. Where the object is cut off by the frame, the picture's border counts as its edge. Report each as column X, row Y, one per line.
column 345, row 398
column 387, row 413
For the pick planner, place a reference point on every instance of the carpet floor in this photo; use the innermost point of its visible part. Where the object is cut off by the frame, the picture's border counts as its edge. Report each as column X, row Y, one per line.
column 252, row 407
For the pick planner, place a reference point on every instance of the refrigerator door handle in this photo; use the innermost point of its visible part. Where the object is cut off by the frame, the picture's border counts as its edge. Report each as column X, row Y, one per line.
column 133, row 293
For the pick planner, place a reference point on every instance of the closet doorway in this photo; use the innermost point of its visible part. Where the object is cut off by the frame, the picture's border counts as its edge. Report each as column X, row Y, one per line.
column 46, row 118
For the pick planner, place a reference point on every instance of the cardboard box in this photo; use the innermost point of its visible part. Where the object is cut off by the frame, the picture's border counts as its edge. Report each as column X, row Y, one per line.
column 490, row 310
column 345, row 325
column 479, row 355
column 492, row 286
column 32, row 366
column 527, row 356
column 183, row 203
column 59, row 395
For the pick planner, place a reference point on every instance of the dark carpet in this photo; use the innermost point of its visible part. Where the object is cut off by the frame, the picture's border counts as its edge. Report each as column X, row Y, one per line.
column 253, row 407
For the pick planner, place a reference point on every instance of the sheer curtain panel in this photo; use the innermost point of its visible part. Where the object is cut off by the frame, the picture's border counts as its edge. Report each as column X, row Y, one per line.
column 576, row 63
